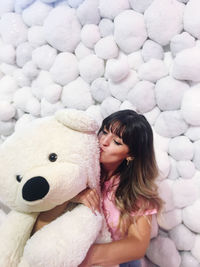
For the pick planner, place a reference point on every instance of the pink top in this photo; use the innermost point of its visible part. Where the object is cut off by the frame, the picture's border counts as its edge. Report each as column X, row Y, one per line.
column 111, row 212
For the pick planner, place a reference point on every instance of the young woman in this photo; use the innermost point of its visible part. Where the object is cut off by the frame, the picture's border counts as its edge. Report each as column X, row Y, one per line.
column 128, row 172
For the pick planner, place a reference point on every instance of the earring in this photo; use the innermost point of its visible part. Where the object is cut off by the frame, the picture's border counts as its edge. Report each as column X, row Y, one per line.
column 128, row 160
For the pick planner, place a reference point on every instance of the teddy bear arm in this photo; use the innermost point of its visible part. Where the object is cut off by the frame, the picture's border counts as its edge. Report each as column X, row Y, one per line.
column 14, row 232
column 65, row 241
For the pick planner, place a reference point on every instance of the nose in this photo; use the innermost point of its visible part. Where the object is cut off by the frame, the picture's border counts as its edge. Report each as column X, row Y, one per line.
column 105, row 140
column 35, row 188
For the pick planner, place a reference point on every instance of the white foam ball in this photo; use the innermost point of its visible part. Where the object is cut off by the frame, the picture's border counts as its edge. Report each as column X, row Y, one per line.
column 193, row 133
column 44, row 56
column 6, row 6
column 12, row 29
column 165, row 190
column 191, row 216
column 52, row 93
column 7, row 111
column 90, row 35
column 160, row 142
column 7, row 54
column 82, row 51
column 142, row 90
column 187, row 64
column 151, row 50
column 181, row 148
column 163, row 163
column 36, row 13
column 130, row 31
column 152, row 70
column 165, row 257
column 20, row 5
column 152, row 115
column 112, row 8
column 100, row 89
column 33, row 106
column 196, row 158
column 106, row 27
column 77, row 95
column 195, row 250
column 170, row 124
column 62, row 29
column 36, row 35
column 140, row 6
column 48, row 109
column 21, row 78
column 184, row 193
column 117, row 68
column 109, row 105
column 30, row 70
column 40, row 83
column 23, row 53
column 180, row 42
column 191, row 18
column 21, row 97
column 190, row 106
column 87, row 70
column 127, row 105
column 88, row 12
column 65, row 68
column 135, row 60
column 188, row 260
column 120, row 89
column 7, row 127
column 164, row 20
column 7, row 69
column 8, row 87
column 73, row 3
column 169, row 220
column 182, row 237
column 106, row 48
column 173, row 173
column 168, row 60
column 186, row 169
column 170, row 88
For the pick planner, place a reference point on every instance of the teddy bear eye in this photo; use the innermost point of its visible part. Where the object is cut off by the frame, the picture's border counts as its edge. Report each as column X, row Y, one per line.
column 18, row 178
column 53, row 157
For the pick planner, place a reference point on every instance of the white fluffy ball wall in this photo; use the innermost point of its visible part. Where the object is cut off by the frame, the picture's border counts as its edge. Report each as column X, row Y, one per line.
column 103, row 56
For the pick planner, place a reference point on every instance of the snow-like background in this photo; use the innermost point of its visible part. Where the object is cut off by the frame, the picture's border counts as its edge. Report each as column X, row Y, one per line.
column 103, row 56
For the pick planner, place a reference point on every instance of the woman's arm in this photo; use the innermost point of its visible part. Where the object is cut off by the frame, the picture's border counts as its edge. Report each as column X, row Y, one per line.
column 132, row 247
column 48, row 216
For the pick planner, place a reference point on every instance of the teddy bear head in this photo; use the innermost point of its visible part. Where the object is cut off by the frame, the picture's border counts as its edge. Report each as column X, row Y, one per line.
column 49, row 161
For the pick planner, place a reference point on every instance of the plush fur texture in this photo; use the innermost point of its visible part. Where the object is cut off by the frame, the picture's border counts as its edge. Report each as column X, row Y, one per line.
column 31, row 181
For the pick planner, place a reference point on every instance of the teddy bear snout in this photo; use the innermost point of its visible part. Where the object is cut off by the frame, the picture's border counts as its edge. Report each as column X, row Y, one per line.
column 35, row 188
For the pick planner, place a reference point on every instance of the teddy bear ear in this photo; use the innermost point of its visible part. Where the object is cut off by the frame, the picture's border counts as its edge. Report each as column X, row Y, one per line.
column 77, row 120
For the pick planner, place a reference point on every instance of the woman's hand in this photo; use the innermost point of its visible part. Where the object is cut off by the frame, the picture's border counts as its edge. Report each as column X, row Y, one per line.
column 88, row 197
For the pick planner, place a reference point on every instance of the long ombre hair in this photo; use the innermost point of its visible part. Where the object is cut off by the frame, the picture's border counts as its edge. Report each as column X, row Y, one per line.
column 137, row 191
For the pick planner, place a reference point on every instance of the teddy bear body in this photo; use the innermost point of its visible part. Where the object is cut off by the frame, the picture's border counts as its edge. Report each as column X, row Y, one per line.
column 42, row 166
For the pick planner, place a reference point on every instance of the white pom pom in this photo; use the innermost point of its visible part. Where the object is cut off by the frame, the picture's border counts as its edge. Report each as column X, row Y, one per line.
column 65, row 68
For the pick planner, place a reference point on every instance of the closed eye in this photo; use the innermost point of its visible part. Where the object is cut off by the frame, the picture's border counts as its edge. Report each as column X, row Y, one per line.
column 117, row 143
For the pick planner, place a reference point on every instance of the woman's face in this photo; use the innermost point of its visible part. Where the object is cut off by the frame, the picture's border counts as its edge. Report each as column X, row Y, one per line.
column 112, row 149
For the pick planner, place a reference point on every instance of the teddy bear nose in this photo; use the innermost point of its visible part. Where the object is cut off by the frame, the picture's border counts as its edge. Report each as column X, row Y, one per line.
column 35, row 188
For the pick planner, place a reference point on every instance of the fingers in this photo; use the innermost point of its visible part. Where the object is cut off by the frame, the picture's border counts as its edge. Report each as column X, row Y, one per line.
column 93, row 200
column 90, row 198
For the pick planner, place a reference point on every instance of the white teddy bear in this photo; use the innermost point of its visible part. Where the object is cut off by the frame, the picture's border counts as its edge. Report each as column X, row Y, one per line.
column 41, row 166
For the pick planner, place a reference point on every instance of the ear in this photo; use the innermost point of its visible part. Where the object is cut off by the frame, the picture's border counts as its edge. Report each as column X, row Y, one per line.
column 77, row 120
